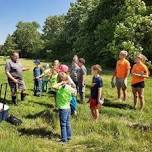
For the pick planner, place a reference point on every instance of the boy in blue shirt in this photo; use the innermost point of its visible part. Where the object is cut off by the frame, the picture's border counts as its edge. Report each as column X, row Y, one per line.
column 37, row 71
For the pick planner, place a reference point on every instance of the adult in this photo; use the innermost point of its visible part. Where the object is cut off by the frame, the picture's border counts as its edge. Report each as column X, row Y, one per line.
column 121, row 74
column 14, row 71
column 81, row 79
column 75, row 70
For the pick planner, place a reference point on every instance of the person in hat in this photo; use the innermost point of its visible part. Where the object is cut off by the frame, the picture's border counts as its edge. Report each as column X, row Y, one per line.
column 139, row 73
column 14, row 71
column 73, row 103
column 63, row 98
column 121, row 74
column 37, row 71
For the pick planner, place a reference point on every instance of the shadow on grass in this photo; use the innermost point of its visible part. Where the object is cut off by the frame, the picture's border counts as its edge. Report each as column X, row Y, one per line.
column 45, row 114
column 51, row 106
column 109, row 103
column 40, row 132
column 141, row 127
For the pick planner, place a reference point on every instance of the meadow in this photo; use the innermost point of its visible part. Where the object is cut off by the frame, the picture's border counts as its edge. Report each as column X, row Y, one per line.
column 120, row 128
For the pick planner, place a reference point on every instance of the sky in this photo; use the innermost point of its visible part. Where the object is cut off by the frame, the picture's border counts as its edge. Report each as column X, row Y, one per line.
column 13, row 11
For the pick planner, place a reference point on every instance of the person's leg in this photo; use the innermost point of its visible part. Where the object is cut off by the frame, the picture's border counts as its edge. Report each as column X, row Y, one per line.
column 141, row 98
column 135, row 95
column 68, row 126
column 93, row 113
column 45, row 87
column 13, row 92
column 36, row 87
column 124, row 89
column 124, row 94
column 21, row 88
column 82, row 92
column 96, row 114
column 63, row 120
column 39, row 87
column 119, row 92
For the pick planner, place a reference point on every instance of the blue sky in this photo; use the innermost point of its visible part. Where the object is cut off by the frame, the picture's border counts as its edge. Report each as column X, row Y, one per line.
column 13, row 11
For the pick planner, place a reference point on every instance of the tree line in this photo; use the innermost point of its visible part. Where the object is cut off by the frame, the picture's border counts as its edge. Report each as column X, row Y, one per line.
column 94, row 29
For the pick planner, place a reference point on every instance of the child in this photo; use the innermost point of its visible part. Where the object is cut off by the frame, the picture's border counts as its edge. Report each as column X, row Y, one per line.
column 121, row 74
column 73, row 103
column 139, row 72
column 81, row 79
column 96, row 91
column 56, row 65
column 37, row 71
column 53, row 81
column 63, row 98
column 45, row 78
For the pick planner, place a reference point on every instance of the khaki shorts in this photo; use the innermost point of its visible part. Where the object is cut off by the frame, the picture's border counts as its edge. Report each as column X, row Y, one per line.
column 121, row 83
column 17, row 87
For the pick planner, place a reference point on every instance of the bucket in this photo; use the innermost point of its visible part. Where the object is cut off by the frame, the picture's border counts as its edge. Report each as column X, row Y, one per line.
column 3, row 111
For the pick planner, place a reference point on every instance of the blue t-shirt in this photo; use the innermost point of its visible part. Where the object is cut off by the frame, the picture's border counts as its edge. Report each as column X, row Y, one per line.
column 96, row 84
column 37, row 71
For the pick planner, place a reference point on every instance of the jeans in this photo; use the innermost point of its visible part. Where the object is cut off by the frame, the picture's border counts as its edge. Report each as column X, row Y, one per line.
column 45, row 86
column 37, row 86
column 64, row 116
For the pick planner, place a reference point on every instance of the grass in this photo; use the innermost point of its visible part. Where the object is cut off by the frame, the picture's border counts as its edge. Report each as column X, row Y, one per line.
column 120, row 128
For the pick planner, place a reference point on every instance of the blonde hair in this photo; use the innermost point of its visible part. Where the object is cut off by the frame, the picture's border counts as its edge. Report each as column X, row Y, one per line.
column 62, row 77
column 97, row 68
column 142, row 57
column 123, row 52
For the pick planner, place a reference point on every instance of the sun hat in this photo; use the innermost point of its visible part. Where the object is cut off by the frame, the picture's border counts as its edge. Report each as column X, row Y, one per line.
column 63, row 68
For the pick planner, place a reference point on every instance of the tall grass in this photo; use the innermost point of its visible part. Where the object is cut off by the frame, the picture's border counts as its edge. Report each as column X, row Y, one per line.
column 120, row 128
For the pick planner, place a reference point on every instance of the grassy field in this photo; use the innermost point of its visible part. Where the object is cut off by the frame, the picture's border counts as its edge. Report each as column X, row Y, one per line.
column 120, row 128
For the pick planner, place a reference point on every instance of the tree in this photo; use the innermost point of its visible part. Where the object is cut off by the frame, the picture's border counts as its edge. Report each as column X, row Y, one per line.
column 9, row 45
column 28, row 38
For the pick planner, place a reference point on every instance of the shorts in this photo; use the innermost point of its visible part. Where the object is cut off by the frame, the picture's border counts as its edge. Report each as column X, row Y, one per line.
column 20, row 86
column 93, row 104
column 121, row 83
column 139, row 85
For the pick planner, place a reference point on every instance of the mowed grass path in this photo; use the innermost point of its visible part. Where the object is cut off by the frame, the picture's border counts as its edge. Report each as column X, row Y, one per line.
column 120, row 128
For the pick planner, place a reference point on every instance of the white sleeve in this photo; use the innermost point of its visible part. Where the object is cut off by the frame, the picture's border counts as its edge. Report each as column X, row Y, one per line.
column 71, row 83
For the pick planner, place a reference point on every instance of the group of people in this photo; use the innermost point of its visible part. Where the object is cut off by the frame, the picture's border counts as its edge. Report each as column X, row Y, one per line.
column 65, row 83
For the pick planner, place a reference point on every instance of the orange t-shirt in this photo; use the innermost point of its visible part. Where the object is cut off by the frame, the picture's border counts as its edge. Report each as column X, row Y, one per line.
column 139, row 69
column 122, row 68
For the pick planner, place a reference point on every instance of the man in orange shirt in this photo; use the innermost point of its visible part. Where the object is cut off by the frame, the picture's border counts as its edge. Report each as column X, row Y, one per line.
column 139, row 72
column 121, row 74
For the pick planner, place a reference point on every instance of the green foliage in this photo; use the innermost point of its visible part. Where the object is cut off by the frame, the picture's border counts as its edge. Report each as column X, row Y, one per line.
column 9, row 45
column 94, row 29
column 28, row 38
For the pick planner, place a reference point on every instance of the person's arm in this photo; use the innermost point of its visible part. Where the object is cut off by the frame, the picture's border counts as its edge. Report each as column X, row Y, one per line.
column 144, row 74
column 71, row 83
column 84, row 73
column 114, row 75
column 141, row 75
column 11, row 77
column 99, row 94
column 8, row 74
column 58, row 85
column 25, row 69
column 128, row 67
